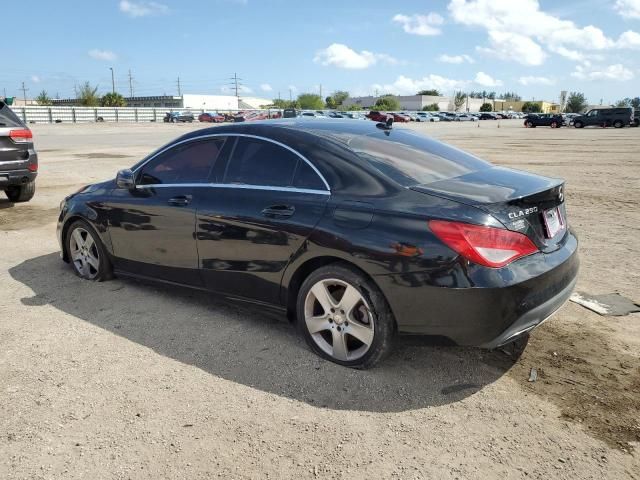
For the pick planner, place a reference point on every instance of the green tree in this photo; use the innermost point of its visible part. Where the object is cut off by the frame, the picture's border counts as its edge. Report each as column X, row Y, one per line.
column 43, row 98
column 576, row 102
column 281, row 103
column 88, row 95
column 431, row 93
column 310, row 101
column 486, row 107
column 352, row 107
column 337, row 98
column 635, row 103
column 458, row 100
column 113, row 100
column 387, row 103
column 432, row 107
column 531, row 107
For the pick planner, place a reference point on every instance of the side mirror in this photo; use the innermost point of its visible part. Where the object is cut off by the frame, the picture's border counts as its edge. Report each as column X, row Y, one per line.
column 126, row 179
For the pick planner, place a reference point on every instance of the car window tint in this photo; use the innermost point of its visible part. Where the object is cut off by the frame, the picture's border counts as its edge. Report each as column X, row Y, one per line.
column 257, row 162
column 8, row 118
column 306, row 177
column 186, row 163
column 412, row 159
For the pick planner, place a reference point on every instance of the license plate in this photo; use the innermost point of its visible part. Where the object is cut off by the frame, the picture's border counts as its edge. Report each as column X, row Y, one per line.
column 553, row 221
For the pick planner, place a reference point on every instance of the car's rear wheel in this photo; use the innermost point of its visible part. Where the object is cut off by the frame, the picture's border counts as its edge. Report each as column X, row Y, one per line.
column 344, row 317
column 21, row 193
column 554, row 124
column 578, row 124
column 618, row 124
column 86, row 253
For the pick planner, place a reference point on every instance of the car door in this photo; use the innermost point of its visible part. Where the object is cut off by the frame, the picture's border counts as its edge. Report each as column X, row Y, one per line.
column 152, row 227
column 252, row 224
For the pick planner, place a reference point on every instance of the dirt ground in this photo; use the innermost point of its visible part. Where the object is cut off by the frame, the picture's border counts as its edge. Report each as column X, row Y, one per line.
column 129, row 380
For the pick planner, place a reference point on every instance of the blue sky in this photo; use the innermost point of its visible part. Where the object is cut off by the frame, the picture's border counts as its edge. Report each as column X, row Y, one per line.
column 536, row 48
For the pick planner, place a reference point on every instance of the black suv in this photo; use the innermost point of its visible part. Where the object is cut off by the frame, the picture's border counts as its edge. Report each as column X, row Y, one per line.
column 553, row 120
column 636, row 118
column 605, row 117
column 18, row 158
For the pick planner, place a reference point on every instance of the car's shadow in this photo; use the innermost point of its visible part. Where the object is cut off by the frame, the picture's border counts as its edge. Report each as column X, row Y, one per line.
column 5, row 203
column 261, row 350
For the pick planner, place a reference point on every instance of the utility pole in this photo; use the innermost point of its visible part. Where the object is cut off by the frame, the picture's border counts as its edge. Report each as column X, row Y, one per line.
column 130, row 84
column 290, row 96
column 113, row 81
column 179, row 90
column 236, row 84
column 24, row 93
column 320, row 90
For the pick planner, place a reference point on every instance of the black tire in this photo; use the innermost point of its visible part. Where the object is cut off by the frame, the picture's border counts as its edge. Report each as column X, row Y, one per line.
column 578, row 124
column 21, row 193
column 554, row 124
column 384, row 326
column 635, row 123
column 174, row 120
column 618, row 124
column 105, row 269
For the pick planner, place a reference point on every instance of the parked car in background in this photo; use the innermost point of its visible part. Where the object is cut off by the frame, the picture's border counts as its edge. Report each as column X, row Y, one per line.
column 377, row 116
column 447, row 116
column 553, row 120
column 175, row 117
column 487, row 116
column 251, row 116
column 400, row 117
column 333, row 114
column 426, row 117
column 18, row 157
column 282, row 215
column 289, row 113
column 413, row 116
column 211, row 117
column 636, row 118
column 312, row 114
column 465, row 117
column 605, row 117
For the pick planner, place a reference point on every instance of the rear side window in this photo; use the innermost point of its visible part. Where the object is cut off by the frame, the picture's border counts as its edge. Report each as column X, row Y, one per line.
column 187, row 163
column 412, row 159
column 258, row 162
column 8, row 118
column 306, row 177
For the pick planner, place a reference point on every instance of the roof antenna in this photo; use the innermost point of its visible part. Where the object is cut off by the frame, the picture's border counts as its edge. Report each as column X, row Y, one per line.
column 387, row 125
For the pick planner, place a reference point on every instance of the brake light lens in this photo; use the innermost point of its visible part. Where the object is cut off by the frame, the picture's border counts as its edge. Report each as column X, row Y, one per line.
column 487, row 246
column 23, row 135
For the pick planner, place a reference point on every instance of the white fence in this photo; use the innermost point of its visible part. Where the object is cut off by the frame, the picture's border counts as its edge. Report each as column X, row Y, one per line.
column 41, row 114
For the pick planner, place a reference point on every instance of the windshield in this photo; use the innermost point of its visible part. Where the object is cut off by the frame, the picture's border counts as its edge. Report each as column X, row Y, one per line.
column 8, row 118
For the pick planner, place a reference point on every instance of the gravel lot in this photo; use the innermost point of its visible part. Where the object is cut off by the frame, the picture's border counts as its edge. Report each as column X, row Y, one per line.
column 125, row 379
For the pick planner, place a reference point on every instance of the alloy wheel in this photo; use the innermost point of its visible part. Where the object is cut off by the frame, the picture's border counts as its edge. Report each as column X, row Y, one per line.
column 84, row 253
column 339, row 319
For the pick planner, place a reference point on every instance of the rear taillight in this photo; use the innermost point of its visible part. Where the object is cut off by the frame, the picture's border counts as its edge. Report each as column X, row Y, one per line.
column 23, row 135
column 488, row 246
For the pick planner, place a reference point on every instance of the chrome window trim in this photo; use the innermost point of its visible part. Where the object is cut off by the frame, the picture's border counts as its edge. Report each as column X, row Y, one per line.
column 211, row 135
column 237, row 185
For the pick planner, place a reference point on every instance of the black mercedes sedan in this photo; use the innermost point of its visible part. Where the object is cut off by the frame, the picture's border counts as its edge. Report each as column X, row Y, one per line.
column 357, row 231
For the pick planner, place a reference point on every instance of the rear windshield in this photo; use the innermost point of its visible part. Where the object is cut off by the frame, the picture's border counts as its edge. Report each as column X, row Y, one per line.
column 8, row 118
column 412, row 159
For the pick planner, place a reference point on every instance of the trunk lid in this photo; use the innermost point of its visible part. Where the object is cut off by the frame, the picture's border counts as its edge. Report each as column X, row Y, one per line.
column 521, row 201
column 12, row 155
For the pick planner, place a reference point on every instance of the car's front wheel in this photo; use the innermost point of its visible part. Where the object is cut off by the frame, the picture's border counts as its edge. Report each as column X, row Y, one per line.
column 344, row 317
column 618, row 124
column 578, row 124
column 86, row 253
column 21, row 193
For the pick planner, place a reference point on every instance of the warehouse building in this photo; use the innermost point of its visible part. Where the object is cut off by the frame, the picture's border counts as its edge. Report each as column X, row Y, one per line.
column 186, row 101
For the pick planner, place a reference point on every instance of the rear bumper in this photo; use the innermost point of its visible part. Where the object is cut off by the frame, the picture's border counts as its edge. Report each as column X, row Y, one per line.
column 11, row 178
column 501, row 305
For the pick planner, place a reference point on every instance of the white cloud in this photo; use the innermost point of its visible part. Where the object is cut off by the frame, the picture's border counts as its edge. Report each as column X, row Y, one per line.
column 455, row 59
column 420, row 24
column 516, row 47
column 35, row 78
column 106, row 55
column 142, row 9
column 616, row 72
column 521, row 31
column 629, row 39
column 408, row 86
column 340, row 55
column 487, row 80
column 628, row 8
column 531, row 80
column 265, row 87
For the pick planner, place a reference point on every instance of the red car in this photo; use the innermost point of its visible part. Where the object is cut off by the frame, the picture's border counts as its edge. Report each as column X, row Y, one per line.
column 211, row 117
column 251, row 116
column 382, row 116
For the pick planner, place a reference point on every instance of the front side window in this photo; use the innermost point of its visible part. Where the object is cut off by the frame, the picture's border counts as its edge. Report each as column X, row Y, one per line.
column 187, row 163
column 258, row 162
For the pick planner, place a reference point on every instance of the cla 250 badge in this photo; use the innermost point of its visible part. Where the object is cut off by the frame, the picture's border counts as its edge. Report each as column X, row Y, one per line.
column 522, row 213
